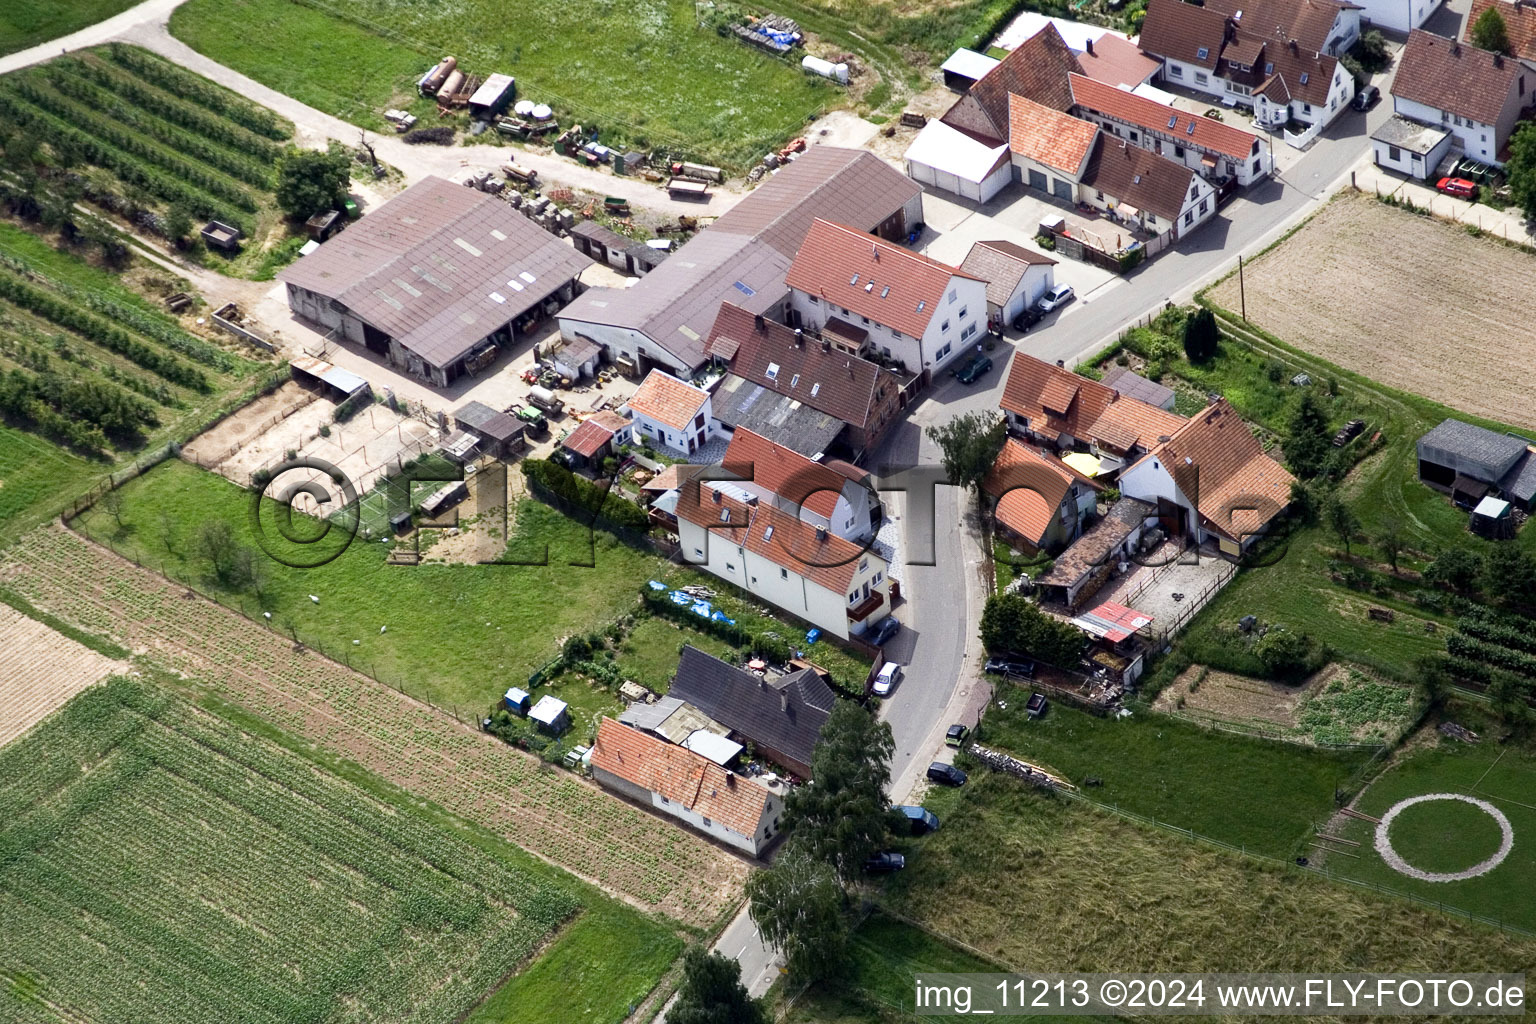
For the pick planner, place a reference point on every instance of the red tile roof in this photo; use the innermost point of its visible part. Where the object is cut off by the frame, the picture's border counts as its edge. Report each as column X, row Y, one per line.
column 1056, row 400
column 1160, row 119
column 1456, row 77
column 683, row 777
column 1029, row 488
column 1036, row 69
column 1117, row 61
column 1002, row 265
column 832, row 382
column 1048, row 136
column 874, row 278
column 783, row 471
column 1519, row 23
column 1217, row 462
column 819, row 556
column 665, row 399
column 1308, row 22
column 587, row 438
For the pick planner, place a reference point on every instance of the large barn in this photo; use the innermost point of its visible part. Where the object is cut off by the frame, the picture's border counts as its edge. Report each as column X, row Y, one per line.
column 437, row 281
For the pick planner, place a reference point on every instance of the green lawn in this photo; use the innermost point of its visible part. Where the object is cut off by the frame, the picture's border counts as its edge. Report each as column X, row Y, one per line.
column 24, row 25
column 646, row 75
column 1050, row 884
column 650, row 653
column 37, row 480
column 1253, row 793
column 1448, row 836
column 457, row 634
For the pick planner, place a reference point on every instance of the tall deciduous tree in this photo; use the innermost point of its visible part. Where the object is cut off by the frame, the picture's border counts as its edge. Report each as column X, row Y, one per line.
column 1491, row 32
column 310, row 181
column 968, row 445
column 798, row 906
column 1390, row 540
column 1341, row 519
column 1521, row 168
column 712, row 992
column 839, row 818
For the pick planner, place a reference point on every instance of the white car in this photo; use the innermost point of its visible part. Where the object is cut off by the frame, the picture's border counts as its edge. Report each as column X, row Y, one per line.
column 886, row 681
column 1058, row 296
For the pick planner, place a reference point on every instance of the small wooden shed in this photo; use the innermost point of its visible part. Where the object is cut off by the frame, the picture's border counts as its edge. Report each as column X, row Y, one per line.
column 551, row 714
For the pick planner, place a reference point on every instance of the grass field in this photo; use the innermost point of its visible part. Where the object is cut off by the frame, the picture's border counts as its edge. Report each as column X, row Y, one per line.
column 1087, row 891
column 1451, row 836
column 300, row 898
column 647, row 75
column 37, row 480
column 26, row 25
column 1259, row 794
column 157, row 138
column 457, row 634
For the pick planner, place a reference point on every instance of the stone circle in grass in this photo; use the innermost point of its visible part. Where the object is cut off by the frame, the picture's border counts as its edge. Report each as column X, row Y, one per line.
column 1444, row 837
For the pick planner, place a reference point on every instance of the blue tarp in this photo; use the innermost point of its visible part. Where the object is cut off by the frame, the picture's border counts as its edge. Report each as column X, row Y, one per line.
column 680, row 598
column 812, row 636
column 719, row 616
column 657, row 585
column 702, row 609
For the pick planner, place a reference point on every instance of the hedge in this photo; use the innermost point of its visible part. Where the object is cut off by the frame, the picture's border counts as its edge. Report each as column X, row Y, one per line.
column 585, row 496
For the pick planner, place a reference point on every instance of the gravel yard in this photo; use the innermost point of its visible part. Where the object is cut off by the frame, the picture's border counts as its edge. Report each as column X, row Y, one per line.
column 1406, row 300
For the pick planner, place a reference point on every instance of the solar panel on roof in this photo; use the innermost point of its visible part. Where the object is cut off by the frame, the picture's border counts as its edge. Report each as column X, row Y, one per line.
column 746, row 290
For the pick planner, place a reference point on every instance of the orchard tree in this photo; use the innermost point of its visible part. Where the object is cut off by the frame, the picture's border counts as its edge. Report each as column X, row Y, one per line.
column 1201, row 336
column 1341, row 519
column 712, row 992
column 840, row 817
column 1390, row 540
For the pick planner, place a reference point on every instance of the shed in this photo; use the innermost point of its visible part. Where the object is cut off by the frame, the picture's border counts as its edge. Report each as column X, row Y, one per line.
column 461, row 447
column 717, row 748
column 517, row 700
column 444, row 498
column 1493, row 518
column 222, row 236
column 323, row 224
column 965, row 68
column 552, row 714
column 335, row 382
column 500, row 435
column 493, row 96
column 953, row 161
column 578, row 358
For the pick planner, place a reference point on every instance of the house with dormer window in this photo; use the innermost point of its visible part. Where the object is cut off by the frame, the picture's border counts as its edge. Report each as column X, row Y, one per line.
column 1475, row 95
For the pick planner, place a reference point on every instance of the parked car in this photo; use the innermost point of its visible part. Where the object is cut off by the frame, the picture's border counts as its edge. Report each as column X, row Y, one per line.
column 919, row 819
column 1461, row 188
column 973, row 369
column 884, row 630
column 886, row 860
column 1027, row 319
column 1056, row 297
column 956, row 735
column 1366, row 98
column 885, row 682
column 948, row 774
column 1036, row 706
column 1010, row 667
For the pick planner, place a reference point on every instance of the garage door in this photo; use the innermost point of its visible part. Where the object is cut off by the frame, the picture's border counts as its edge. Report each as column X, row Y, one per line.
column 946, row 181
column 1036, row 179
column 1061, row 189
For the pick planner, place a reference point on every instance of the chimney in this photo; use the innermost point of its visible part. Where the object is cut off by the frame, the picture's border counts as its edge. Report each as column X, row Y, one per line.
column 1455, row 48
column 1498, row 60
column 799, row 337
column 784, row 700
column 759, row 322
column 874, row 252
column 821, row 534
column 1061, row 363
column 826, row 345
column 1090, row 47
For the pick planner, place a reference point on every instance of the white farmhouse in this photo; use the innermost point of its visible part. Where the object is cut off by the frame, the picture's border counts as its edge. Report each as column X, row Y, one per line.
column 1473, row 94
column 671, row 412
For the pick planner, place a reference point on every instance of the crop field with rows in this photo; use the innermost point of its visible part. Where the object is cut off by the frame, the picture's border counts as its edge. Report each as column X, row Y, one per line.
column 160, row 864
column 156, row 136
column 542, row 809
column 42, row 669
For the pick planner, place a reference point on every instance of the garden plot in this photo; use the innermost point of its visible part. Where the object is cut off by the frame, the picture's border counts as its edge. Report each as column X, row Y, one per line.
column 40, row 670
column 1339, row 288
column 1337, row 704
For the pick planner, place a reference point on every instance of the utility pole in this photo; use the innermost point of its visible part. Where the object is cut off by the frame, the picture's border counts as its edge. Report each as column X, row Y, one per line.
column 1242, row 292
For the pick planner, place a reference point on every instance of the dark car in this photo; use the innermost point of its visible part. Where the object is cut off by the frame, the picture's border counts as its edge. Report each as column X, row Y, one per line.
column 1366, row 98
column 887, row 860
column 972, row 371
column 920, row 820
column 884, row 630
column 1027, row 319
column 1010, row 667
column 956, row 735
column 1036, row 706
column 947, row 774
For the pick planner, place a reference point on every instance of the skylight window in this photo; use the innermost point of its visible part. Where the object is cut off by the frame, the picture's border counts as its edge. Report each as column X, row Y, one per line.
column 1303, row 78
column 815, row 388
column 725, row 515
column 854, row 279
column 768, row 533
column 921, row 303
column 1269, row 68
column 1203, row 53
column 1173, row 120
column 1191, row 129
column 885, row 291
column 773, row 371
column 795, row 380
column 1136, row 180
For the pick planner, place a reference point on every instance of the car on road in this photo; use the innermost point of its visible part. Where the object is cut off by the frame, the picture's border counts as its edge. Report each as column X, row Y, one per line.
column 1366, row 98
column 956, row 735
column 885, row 682
column 973, row 369
column 1461, row 188
column 920, row 820
column 886, row 860
column 884, row 630
column 1010, row 667
column 1056, row 297
column 948, row 774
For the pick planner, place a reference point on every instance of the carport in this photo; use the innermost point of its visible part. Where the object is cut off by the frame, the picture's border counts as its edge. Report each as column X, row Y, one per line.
column 330, row 380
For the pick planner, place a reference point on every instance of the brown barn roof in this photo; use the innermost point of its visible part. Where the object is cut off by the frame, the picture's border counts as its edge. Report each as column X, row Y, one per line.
column 1284, row 67
column 889, row 284
column 1037, row 69
column 1194, row 129
column 665, row 399
column 829, row 381
column 1308, row 22
column 587, row 438
column 1002, row 265
column 1048, row 136
column 1216, row 460
column 1457, row 77
column 680, row 775
column 1117, row 61
column 1139, row 177
column 1519, row 21
column 439, row 267
column 1029, row 488
column 1179, row 30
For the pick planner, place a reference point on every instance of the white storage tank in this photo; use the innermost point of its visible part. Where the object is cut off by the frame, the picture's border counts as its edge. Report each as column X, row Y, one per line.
column 825, row 68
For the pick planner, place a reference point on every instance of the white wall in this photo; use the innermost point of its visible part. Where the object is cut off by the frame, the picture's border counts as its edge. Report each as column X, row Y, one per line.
column 1478, row 140
column 1189, row 76
column 617, row 341
column 944, row 181
column 773, row 809
column 1036, row 279
column 917, row 354
column 1410, row 163
column 646, row 428
column 1246, row 170
column 1397, row 15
